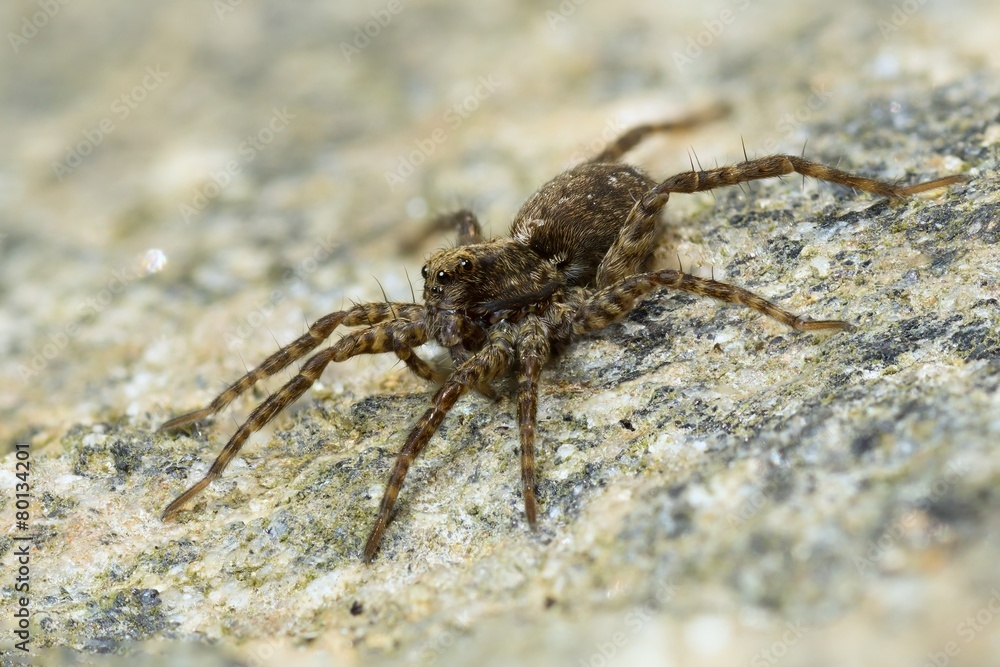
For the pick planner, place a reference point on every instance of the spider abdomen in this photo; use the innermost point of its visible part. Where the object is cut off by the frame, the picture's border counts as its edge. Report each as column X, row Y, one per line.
column 574, row 219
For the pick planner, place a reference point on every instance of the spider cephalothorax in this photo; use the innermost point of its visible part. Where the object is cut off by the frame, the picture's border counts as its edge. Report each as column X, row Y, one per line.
column 574, row 263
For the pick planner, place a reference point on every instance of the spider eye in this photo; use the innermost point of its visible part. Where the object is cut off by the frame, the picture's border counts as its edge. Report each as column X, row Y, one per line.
column 465, row 265
column 423, row 272
column 443, row 277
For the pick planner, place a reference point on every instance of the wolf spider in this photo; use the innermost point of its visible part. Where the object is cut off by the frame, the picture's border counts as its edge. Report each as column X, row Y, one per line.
column 574, row 263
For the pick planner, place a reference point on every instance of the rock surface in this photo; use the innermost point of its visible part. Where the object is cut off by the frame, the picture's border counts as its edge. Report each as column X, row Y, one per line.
column 183, row 187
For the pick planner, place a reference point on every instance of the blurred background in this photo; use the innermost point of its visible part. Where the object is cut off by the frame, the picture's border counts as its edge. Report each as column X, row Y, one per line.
column 179, row 182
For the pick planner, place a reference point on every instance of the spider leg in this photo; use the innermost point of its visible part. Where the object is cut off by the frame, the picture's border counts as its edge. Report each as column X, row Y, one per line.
column 320, row 330
column 629, row 139
column 420, row 368
column 533, row 351
column 379, row 338
column 630, row 250
column 779, row 165
column 467, row 224
column 614, row 302
column 489, row 362
column 463, row 220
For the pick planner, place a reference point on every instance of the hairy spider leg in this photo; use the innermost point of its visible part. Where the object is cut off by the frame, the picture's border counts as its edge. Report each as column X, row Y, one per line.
column 489, row 362
column 633, row 246
column 420, row 368
column 320, row 330
column 627, row 141
column 533, row 351
column 385, row 337
column 636, row 239
column 467, row 225
column 778, row 165
column 463, row 221
column 612, row 303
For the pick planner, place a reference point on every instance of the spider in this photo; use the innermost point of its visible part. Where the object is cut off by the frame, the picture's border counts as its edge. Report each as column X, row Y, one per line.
column 574, row 263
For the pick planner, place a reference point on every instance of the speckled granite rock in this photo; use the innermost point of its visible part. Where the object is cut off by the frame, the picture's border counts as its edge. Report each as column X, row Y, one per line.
column 714, row 488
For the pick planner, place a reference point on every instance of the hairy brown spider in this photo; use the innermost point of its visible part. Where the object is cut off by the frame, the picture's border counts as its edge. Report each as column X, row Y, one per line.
column 574, row 263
